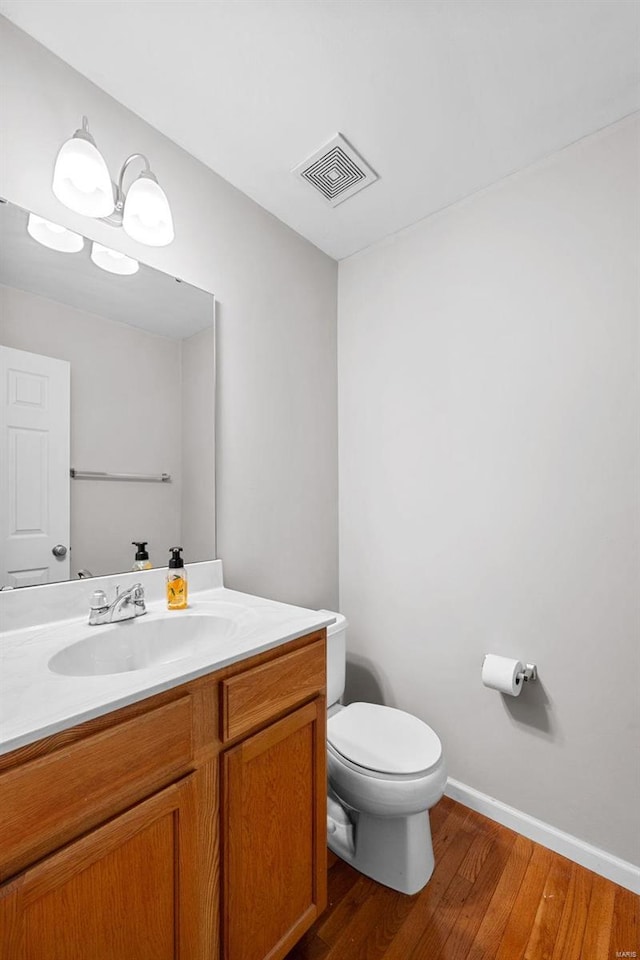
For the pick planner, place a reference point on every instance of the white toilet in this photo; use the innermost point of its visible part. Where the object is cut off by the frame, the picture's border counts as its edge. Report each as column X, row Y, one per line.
column 386, row 770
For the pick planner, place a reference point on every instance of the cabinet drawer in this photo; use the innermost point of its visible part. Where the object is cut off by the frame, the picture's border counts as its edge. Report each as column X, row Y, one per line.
column 54, row 798
column 252, row 697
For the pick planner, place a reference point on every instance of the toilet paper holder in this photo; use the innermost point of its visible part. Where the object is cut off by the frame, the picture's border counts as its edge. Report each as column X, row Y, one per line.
column 530, row 672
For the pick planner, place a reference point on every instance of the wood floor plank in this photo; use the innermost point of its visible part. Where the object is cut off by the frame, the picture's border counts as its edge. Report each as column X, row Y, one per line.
column 491, row 930
column 624, row 929
column 462, row 935
column 547, row 919
column 437, row 931
column 331, row 928
column 479, row 850
column 518, row 929
column 373, row 927
column 457, row 819
column 494, row 895
column 597, row 931
column 570, row 933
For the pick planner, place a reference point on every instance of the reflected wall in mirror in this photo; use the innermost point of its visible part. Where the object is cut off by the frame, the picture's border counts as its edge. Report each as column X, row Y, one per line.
column 106, row 373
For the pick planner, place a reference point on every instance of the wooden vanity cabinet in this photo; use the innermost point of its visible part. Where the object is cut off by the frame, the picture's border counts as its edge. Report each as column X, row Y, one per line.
column 189, row 826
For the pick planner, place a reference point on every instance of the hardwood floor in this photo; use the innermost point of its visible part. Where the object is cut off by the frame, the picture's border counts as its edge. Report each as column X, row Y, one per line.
column 494, row 895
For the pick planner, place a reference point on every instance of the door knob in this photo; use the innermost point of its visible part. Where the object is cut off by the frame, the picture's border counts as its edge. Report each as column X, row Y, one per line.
column 59, row 551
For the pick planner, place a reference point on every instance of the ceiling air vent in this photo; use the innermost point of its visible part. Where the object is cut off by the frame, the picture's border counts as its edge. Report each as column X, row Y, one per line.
column 336, row 171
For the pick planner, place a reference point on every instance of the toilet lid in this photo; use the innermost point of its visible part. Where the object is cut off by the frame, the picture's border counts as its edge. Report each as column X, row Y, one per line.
column 383, row 739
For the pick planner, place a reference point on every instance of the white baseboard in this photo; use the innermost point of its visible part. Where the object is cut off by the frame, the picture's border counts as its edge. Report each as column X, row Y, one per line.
column 613, row 868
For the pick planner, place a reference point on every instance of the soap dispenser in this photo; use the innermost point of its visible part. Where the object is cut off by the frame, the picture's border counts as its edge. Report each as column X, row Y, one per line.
column 176, row 581
column 141, row 561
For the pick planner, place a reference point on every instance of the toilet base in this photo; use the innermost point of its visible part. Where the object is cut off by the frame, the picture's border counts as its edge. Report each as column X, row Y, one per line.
column 394, row 851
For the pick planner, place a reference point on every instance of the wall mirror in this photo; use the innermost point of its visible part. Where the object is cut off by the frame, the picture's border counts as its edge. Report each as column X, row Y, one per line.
column 106, row 408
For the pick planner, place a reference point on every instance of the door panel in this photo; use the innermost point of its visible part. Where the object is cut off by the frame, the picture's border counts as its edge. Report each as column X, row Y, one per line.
column 120, row 906
column 274, row 836
column 34, row 467
column 129, row 890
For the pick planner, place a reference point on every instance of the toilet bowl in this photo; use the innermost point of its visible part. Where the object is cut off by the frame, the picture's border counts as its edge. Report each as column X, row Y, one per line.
column 385, row 770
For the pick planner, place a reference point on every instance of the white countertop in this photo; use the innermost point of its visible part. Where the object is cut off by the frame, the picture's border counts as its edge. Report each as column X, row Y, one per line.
column 35, row 702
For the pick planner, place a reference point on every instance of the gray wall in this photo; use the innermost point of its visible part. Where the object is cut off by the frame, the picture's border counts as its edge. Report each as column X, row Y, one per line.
column 196, row 429
column 488, row 418
column 276, row 318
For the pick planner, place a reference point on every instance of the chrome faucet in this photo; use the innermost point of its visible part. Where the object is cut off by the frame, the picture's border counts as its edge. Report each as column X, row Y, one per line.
column 126, row 605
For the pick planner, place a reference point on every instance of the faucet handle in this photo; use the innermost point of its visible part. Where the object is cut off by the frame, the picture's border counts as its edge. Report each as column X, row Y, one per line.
column 98, row 600
column 138, row 599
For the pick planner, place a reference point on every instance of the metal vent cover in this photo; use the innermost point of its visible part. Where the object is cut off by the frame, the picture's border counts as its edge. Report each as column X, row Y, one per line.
column 336, row 171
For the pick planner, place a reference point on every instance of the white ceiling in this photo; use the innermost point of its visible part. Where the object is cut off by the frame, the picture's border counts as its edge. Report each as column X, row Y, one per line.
column 441, row 97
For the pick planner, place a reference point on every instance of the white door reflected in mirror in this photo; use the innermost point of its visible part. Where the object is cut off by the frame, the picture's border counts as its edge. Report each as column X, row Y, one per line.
column 34, row 468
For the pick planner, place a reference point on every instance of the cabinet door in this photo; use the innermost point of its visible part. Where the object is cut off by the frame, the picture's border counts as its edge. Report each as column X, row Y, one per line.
column 274, row 836
column 126, row 891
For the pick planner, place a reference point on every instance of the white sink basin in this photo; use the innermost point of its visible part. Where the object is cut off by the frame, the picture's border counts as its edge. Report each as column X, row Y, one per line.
column 148, row 642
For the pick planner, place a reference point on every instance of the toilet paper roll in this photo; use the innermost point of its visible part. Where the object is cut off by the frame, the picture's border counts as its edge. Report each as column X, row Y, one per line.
column 501, row 673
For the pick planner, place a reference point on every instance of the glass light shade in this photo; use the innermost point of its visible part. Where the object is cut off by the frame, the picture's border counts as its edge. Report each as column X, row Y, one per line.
column 113, row 261
column 54, row 236
column 81, row 180
column 147, row 215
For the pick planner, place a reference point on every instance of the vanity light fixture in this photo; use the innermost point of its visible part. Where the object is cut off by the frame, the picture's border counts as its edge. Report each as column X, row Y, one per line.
column 82, row 182
column 54, row 236
column 112, row 260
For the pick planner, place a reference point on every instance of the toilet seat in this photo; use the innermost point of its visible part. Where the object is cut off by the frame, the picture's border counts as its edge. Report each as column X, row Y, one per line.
column 382, row 741
column 338, row 760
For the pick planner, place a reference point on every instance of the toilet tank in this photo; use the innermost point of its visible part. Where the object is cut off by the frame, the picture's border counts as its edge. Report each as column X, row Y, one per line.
column 336, row 656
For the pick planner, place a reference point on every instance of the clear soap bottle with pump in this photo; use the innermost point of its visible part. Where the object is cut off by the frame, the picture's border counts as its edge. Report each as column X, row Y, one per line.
column 141, row 561
column 176, row 581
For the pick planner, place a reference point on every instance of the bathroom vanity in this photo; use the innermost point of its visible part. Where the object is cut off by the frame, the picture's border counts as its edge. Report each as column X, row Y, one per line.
column 190, row 823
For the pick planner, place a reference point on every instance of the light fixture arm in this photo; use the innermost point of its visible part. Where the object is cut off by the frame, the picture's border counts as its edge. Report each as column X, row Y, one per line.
column 120, row 195
column 83, row 132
